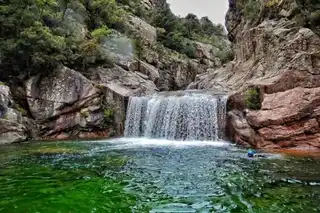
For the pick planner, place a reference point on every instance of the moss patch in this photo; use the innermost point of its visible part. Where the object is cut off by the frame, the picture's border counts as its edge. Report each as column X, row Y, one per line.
column 55, row 150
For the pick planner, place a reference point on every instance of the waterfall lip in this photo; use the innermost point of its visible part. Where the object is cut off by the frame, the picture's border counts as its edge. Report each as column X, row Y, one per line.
column 125, row 142
column 186, row 93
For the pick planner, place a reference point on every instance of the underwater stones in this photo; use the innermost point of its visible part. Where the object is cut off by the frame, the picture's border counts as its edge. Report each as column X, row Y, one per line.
column 174, row 207
column 56, row 150
column 97, row 134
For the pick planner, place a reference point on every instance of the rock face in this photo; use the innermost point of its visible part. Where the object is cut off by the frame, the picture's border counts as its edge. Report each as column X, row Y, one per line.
column 12, row 126
column 69, row 105
column 66, row 104
column 147, row 32
column 167, row 69
column 280, row 59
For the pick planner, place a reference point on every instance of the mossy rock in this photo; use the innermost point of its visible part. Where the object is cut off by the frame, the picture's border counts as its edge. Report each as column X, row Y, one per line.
column 55, row 151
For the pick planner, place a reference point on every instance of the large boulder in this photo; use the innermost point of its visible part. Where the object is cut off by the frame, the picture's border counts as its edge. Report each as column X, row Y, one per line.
column 120, row 49
column 66, row 104
column 62, row 92
column 147, row 32
column 205, row 51
column 123, row 82
column 285, row 107
column 147, row 69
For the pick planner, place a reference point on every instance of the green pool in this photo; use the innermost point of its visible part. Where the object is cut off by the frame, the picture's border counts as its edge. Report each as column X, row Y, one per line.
column 140, row 175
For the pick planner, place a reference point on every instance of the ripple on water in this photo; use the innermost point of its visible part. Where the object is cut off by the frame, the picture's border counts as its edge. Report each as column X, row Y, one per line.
column 135, row 175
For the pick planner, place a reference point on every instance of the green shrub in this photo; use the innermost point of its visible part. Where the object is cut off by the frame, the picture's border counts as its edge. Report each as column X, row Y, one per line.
column 108, row 114
column 92, row 53
column 100, row 33
column 252, row 9
column 252, row 98
column 225, row 55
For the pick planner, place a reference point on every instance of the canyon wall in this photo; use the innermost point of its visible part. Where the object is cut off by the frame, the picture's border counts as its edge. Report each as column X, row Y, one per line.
column 274, row 81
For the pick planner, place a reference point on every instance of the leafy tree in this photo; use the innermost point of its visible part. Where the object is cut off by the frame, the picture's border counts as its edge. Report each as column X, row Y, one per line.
column 37, row 35
column 100, row 33
column 164, row 18
column 192, row 24
column 105, row 12
column 27, row 44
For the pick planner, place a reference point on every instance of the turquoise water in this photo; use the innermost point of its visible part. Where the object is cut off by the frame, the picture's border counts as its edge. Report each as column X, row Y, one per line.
column 127, row 175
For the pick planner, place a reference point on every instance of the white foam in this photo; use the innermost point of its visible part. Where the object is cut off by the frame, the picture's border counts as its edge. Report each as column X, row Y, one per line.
column 145, row 142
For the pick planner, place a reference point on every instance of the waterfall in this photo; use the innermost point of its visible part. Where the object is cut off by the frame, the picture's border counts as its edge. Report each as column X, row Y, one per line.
column 178, row 116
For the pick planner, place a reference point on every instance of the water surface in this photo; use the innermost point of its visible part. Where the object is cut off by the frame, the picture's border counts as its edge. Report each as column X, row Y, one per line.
column 140, row 175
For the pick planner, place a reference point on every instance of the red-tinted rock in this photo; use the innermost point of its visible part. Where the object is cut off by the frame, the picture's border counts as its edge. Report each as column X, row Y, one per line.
column 289, row 131
column 285, row 107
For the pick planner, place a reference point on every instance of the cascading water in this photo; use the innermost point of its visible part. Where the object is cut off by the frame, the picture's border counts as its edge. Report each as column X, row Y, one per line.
column 178, row 116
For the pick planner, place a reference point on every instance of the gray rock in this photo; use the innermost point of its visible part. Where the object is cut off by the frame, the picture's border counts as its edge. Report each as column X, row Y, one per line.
column 12, row 127
column 142, row 28
column 122, row 82
column 60, row 93
column 150, row 71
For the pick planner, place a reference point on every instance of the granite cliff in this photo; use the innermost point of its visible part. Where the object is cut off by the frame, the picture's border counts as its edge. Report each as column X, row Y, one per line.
column 274, row 80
